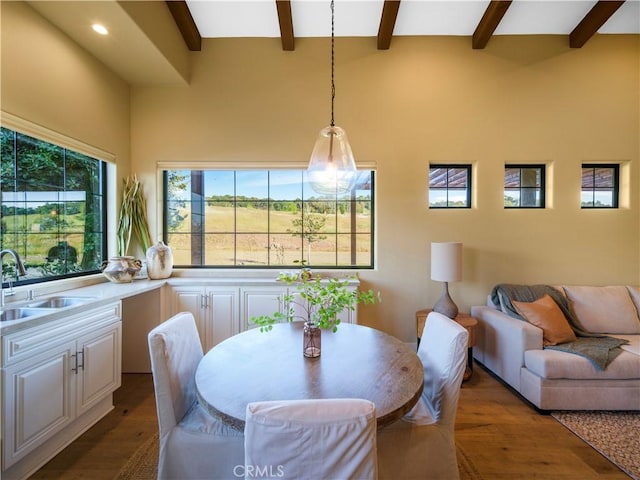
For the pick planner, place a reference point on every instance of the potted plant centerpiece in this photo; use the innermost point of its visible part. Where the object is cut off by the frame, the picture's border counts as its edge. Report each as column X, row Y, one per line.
column 318, row 301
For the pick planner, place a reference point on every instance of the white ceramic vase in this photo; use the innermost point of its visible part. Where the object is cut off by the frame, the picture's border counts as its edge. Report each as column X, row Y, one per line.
column 159, row 261
column 121, row 269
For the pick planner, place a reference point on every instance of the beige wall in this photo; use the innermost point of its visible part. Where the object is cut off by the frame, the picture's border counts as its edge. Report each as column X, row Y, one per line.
column 49, row 80
column 522, row 99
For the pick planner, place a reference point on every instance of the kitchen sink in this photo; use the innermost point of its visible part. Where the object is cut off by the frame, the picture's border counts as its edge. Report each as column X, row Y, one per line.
column 59, row 302
column 40, row 307
column 23, row 312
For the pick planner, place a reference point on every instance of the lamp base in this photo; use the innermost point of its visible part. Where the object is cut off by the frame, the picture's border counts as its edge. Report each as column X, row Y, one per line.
column 445, row 305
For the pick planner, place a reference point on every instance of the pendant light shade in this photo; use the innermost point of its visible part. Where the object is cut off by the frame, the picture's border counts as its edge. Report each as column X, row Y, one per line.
column 332, row 169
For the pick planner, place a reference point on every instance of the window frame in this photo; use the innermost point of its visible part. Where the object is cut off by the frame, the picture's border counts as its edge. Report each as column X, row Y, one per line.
column 68, row 146
column 163, row 175
column 615, row 189
column 542, row 188
column 465, row 166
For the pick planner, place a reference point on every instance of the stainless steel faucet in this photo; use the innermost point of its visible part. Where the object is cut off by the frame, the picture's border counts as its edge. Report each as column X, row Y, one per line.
column 19, row 271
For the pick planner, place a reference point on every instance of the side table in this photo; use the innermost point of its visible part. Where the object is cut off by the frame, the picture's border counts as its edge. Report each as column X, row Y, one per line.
column 467, row 321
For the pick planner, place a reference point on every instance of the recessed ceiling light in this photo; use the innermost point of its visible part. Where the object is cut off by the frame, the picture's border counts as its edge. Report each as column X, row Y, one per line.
column 101, row 29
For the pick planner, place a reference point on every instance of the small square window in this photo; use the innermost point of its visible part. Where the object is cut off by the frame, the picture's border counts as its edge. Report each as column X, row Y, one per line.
column 450, row 186
column 599, row 186
column 524, row 186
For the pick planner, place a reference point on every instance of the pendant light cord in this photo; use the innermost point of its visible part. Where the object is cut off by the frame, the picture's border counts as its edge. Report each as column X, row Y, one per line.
column 333, row 62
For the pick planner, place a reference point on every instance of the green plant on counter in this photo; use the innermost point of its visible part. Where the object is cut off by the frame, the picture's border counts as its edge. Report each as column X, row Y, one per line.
column 133, row 217
column 319, row 300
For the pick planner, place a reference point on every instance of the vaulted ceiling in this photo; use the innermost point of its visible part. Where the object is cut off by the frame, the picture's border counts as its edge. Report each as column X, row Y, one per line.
column 384, row 19
column 144, row 47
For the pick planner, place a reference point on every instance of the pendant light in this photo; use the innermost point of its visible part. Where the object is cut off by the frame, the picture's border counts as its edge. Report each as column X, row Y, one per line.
column 332, row 169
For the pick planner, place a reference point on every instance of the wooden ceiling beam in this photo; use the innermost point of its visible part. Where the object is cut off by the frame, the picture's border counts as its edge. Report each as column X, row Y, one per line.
column 597, row 16
column 286, row 24
column 387, row 23
column 182, row 16
column 490, row 20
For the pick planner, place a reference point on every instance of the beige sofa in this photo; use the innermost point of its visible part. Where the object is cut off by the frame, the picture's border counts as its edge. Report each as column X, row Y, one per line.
column 556, row 380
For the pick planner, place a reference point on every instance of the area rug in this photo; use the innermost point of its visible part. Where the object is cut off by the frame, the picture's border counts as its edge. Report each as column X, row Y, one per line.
column 616, row 435
column 143, row 465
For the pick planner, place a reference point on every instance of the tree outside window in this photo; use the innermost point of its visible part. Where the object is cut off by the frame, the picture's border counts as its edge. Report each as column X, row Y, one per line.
column 53, row 206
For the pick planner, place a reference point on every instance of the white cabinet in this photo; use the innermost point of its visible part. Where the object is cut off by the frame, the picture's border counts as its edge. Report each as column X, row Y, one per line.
column 266, row 300
column 259, row 301
column 215, row 310
column 223, row 311
column 57, row 380
column 38, row 399
column 97, row 366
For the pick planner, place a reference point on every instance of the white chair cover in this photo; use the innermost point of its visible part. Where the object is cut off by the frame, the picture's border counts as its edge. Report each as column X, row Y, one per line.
column 311, row 439
column 422, row 444
column 193, row 444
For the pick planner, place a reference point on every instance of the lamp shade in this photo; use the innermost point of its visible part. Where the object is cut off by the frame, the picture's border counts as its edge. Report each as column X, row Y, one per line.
column 446, row 261
column 332, row 169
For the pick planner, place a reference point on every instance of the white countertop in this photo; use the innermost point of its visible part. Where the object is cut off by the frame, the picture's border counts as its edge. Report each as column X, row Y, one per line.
column 101, row 291
column 98, row 294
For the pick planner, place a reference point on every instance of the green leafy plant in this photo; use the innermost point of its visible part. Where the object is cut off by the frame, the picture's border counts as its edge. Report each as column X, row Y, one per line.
column 319, row 299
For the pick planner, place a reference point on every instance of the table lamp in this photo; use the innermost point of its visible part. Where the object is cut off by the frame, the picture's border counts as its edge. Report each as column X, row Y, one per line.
column 446, row 266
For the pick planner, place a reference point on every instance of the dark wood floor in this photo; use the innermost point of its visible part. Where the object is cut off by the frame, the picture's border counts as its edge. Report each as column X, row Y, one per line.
column 503, row 436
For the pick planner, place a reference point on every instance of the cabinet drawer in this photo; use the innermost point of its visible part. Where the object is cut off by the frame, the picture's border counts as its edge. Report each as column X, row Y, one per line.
column 31, row 341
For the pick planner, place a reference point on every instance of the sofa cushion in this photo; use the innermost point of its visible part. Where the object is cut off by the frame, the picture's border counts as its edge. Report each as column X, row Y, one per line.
column 546, row 314
column 604, row 309
column 553, row 364
column 634, row 343
column 634, row 292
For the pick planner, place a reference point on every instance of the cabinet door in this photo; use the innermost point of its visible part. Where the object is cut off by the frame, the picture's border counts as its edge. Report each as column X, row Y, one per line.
column 221, row 316
column 192, row 299
column 257, row 301
column 98, row 366
column 37, row 399
column 349, row 316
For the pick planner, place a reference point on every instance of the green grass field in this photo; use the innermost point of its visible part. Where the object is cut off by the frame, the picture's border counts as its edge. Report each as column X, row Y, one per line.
column 240, row 236
column 270, row 239
column 34, row 234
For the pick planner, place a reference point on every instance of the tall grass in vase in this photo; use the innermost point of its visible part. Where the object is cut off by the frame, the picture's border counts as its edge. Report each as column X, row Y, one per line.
column 133, row 217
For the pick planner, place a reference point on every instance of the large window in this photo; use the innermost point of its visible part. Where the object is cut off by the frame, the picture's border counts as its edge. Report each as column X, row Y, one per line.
column 599, row 186
column 524, row 186
column 266, row 218
column 450, row 186
column 52, row 201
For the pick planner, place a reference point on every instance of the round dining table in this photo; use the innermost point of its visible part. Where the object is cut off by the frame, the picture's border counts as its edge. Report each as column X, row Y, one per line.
column 356, row 362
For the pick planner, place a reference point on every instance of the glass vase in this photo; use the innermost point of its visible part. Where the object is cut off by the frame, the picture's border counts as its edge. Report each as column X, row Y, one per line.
column 311, row 340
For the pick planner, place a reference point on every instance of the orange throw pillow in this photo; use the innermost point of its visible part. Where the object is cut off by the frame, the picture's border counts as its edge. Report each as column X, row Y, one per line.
column 546, row 314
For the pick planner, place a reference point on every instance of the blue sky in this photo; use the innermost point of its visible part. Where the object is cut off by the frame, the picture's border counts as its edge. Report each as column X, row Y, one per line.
column 275, row 184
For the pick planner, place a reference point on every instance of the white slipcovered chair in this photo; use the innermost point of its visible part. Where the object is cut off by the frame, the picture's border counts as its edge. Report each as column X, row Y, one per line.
column 193, row 444
column 421, row 445
column 311, row 439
